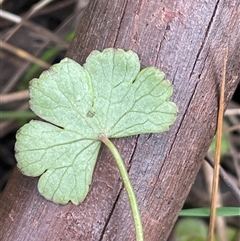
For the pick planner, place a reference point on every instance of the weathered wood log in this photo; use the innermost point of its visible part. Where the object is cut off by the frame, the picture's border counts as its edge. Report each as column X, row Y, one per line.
column 187, row 40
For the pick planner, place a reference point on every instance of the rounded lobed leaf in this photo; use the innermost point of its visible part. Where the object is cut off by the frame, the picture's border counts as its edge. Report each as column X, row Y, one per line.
column 109, row 95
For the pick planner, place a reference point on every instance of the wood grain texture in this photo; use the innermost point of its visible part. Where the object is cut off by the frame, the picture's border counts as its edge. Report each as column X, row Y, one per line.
column 187, row 40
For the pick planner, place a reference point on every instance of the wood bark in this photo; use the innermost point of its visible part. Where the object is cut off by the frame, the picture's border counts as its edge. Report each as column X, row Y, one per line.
column 187, row 40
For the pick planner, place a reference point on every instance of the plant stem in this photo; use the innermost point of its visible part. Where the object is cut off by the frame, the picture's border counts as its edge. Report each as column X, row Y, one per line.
column 128, row 187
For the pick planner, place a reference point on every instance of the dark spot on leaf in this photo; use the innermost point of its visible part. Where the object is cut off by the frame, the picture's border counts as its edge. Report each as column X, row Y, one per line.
column 90, row 114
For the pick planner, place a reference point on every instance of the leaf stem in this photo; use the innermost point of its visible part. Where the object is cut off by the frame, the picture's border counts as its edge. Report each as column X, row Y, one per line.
column 128, row 187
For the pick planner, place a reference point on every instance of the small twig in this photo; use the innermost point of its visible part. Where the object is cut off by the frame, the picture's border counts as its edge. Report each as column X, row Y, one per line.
column 217, row 151
column 23, row 54
column 14, row 97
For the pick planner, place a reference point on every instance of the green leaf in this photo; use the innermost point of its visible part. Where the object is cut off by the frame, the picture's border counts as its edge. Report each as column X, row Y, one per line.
column 109, row 95
column 190, row 229
column 225, row 144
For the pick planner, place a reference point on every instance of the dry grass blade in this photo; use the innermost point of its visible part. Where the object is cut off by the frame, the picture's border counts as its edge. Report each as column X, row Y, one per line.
column 61, row 31
column 233, row 128
column 36, row 7
column 225, row 177
column 235, row 111
column 217, row 152
column 54, row 7
column 33, row 10
column 43, row 32
column 14, row 97
column 23, row 54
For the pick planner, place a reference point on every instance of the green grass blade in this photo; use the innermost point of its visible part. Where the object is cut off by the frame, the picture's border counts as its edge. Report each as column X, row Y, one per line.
column 11, row 115
column 205, row 212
